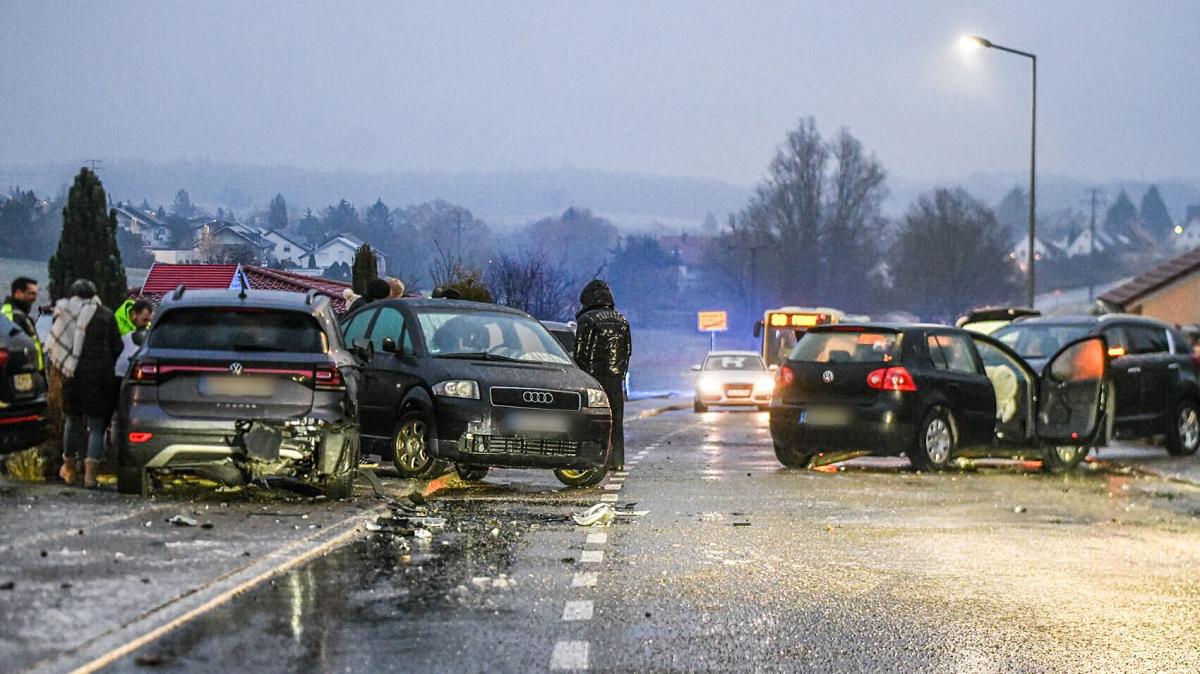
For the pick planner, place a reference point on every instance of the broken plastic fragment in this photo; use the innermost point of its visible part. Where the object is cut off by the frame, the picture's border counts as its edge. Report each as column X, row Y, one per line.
column 182, row 521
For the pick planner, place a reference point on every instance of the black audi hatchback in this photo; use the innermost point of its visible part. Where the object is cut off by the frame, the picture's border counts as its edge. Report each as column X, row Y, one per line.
column 935, row 393
column 22, row 391
column 240, row 387
column 477, row 385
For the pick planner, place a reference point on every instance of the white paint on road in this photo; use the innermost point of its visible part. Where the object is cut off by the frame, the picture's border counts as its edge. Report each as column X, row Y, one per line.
column 621, row 474
column 608, row 498
column 612, row 487
column 597, row 539
column 591, row 556
column 586, row 579
column 578, row 610
column 569, row 655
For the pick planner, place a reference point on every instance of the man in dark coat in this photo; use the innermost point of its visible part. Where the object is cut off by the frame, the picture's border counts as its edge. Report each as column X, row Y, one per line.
column 84, row 347
column 602, row 349
column 377, row 289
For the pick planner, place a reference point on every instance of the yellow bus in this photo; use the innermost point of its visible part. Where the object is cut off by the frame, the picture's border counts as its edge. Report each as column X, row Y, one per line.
column 781, row 328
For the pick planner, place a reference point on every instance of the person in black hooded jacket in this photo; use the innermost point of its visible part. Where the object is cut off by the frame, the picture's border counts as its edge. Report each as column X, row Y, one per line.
column 602, row 349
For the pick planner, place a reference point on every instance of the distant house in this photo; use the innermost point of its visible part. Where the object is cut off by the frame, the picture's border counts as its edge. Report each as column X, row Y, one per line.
column 152, row 229
column 1169, row 292
column 1041, row 251
column 689, row 250
column 286, row 251
column 340, row 248
column 1187, row 236
column 219, row 239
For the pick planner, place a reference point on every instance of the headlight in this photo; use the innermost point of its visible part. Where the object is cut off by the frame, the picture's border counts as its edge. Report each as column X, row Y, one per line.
column 765, row 384
column 710, row 385
column 457, row 388
column 597, row 398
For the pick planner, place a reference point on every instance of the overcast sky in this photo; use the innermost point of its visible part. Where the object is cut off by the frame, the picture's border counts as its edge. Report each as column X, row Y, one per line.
column 704, row 89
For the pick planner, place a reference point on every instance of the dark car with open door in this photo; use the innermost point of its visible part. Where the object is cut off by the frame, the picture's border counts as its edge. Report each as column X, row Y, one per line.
column 934, row 393
column 22, row 391
column 476, row 385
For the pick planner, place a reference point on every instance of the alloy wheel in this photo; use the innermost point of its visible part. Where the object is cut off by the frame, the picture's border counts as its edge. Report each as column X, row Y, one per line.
column 938, row 441
column 410, row 445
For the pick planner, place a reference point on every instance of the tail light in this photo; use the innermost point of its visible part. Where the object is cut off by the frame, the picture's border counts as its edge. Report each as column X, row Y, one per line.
column 145, row 372
column 784, row 376
column 1195, row 358
column 3, row 358
column 138, row 437
column 891, row 379
column 328, row 378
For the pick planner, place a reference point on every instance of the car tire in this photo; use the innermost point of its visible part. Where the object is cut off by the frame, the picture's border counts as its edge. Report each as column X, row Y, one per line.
column 133, row 480
column 1063, row 458
column 581, row 478
column 471, row 473
column 410, row 445
column 791, row 458
column 933, row 448
column 699, row 407
column 1183, row 435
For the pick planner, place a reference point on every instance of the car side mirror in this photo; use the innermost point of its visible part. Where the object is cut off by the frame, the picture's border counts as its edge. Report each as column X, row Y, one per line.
column 139, row 337
column 773, row 368
column 363, row 348
column 695, row 368
column 389, row 345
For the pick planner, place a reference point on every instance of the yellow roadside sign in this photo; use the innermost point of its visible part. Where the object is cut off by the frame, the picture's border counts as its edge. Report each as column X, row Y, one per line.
column 712, row 321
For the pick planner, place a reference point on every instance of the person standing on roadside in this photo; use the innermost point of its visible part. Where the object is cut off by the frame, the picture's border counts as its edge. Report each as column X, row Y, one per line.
column 18, row 308
column 139, row 314
column 377, row 289
column 603, row 346
column 84, row 346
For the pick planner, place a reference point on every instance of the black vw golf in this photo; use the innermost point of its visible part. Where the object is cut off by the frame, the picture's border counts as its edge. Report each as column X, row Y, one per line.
column 477, row 385
column 935, row 393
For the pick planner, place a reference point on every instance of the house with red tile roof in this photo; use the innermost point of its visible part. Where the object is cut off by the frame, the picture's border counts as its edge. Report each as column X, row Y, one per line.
column 164, row 278
column 1169, row 292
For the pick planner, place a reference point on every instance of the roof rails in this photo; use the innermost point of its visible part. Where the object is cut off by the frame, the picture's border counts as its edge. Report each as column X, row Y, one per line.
column 310, row 296
column 178, row 293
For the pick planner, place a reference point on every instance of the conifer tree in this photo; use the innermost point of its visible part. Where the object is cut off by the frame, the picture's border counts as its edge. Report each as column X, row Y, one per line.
column 87, row 248
column 366, row 267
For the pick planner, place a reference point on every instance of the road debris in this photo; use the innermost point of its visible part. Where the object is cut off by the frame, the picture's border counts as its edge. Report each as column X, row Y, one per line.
column 182, row 521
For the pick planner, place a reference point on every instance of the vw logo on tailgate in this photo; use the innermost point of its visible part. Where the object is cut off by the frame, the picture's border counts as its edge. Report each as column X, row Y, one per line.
column 235, row 369
column 538, row 397
column 827, row 377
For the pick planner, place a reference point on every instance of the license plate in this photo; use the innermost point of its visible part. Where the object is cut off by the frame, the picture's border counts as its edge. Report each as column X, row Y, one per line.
column 239, row 387
column 23, row 383
column 538, row 423
column 824, row 416
column 736, row 393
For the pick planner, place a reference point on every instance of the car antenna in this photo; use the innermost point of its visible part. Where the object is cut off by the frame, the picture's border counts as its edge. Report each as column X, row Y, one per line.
column 310, row 296
column 178, row 292
column 242, row 280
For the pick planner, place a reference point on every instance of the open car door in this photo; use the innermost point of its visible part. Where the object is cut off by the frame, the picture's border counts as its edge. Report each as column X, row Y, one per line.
column 1014, row 383
column 1072, row 393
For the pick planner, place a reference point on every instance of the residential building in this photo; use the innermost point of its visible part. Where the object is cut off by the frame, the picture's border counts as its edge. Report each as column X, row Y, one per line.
column 340, row 248
column 1169, row 292
column 146, row 224
column 165, row 278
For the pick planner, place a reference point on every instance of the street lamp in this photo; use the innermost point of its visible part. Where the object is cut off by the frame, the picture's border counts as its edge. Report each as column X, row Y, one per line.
column 973, row 42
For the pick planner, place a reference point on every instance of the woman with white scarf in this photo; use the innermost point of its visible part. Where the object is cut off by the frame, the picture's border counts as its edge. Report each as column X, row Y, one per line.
column 84, row 345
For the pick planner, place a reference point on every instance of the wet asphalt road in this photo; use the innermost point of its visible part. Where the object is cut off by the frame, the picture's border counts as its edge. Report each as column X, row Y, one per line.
column 741, row 565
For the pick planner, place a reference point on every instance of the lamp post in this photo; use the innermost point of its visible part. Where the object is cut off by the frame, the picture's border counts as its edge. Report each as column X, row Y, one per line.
column 975, row 42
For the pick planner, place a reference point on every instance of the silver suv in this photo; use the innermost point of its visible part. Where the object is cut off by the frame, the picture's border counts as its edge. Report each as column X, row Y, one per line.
column 237, row 387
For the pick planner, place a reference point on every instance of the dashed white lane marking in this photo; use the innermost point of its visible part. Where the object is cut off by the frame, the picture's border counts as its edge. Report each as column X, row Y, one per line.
column 569, row 655
column 597, row 539
column 608, row 498
column 591, row 557
column 578, row 610
column 612, row 487
column 621, row 474
column 586, row 579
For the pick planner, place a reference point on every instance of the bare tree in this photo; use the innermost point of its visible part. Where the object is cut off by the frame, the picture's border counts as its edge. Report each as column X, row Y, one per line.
column 531, row 283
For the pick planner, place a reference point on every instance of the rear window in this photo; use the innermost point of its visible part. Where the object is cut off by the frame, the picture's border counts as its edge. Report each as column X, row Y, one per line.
column 846, row 347
column 216, row 329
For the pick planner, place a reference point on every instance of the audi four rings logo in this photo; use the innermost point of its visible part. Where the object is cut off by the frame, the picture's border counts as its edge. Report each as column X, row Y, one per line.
column 235, row 369
column 538, row 397
column 827, row 377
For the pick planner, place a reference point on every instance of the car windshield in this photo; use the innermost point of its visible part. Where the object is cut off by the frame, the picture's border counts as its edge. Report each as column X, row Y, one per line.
column 1040, row 340
column 220, row 329
column 487, row 334
column 846, row 347
column 738, row 362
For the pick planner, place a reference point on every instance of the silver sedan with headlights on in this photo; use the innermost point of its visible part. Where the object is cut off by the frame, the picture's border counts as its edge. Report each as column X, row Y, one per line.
column 735, row 379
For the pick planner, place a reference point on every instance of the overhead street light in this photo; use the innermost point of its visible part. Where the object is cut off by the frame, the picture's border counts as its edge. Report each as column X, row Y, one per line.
column 973, row 42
